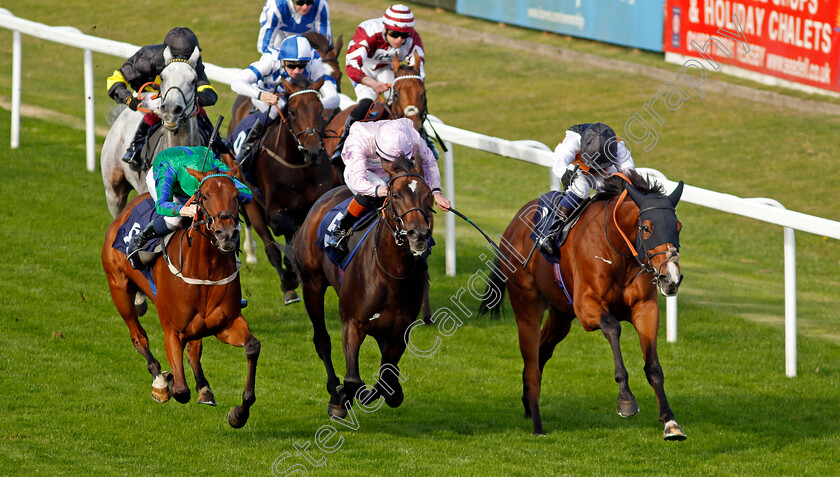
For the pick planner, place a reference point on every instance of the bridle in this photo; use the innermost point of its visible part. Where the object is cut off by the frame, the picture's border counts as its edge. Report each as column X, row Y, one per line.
column 312, row 131
column 192, row 103
column 642, row 248
column 398, row 232
column 210, row 219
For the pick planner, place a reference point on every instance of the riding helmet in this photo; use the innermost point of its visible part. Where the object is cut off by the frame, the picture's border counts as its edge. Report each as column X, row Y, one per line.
column 181, row 42
column 295, row 48
column 598, row 146
column 399, row 18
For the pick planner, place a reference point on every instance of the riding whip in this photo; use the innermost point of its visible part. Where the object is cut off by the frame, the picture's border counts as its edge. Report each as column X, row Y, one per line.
column 491, row 242
column 212, row 139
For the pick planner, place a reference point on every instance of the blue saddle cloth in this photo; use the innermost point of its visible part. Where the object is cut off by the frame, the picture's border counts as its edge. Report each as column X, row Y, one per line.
column 240, row 133
column 545, row 217
column 140, row 217
column 363, row 228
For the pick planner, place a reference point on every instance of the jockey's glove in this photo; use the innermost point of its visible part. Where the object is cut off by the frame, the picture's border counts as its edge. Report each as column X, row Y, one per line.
column 132, row 102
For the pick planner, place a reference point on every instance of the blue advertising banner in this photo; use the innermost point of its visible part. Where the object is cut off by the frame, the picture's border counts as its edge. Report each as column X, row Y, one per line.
column 636, row 23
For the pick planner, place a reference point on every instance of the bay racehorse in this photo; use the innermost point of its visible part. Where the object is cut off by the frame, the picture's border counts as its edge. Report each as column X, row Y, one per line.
column 606, row 279
column 178, row 110
column 379, row 292
column 291, row 171
column 408, row 92
column 198, row 294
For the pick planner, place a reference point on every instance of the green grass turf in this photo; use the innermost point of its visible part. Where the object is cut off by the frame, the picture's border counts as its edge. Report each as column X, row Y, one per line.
column 75, row 393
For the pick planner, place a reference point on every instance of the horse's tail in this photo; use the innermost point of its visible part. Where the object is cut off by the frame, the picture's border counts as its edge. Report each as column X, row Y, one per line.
column 113, row 113
column 492, row 300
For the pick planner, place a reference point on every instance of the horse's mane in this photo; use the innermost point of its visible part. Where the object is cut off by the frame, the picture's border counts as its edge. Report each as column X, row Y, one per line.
column 300, row 81
column 318, row 41
column 615, row 185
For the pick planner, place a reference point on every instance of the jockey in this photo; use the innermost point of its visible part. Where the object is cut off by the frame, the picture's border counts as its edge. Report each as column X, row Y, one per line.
column 171, row 186
column 369, row 57
column 145, row 66
column 367, row 144
column 282, row 18
column 262, row 83
column 588, row 154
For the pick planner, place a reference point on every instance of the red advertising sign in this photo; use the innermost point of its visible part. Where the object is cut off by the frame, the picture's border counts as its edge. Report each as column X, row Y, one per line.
column 795, row 40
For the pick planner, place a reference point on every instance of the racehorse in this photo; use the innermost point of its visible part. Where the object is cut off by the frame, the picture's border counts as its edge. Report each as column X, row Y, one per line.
column 606, row 281
column 291, row 172
column 198, row 294
column 180, row 128
column 408, row 92
column 380, row 291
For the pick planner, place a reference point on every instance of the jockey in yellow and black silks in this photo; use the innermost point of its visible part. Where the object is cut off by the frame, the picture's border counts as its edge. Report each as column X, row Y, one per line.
column 144, row 67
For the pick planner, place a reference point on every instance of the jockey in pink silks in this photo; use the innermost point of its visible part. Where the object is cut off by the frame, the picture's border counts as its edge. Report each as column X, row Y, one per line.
column 367, row 144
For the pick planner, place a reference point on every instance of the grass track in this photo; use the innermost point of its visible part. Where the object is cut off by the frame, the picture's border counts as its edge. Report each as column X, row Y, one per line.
column 75, row 395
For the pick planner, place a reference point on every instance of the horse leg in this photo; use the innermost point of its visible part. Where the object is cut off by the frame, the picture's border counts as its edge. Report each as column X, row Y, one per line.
column 289, row 279
column 427, row 303
column 647, row 329
column 238, row 334
column 388, row 385
column 529, row 311
column 249, row 245
column 555, row 329
column 313, row 294
column 175, row 355
column 351, row 338
column 205, row 395
column 627, row 406
column 117, row 189
column 123, row 292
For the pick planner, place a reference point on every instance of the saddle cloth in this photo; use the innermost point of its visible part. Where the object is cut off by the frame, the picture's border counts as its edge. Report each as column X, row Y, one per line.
column 545, row 218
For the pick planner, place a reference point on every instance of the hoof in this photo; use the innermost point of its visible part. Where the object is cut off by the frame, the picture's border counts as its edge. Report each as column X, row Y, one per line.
column 337, row 411
column 161, row 387
column 205, row 396
column 182, row 397
column 290, row 297
column 238, row 417
column 673, row 432
column 627, row 409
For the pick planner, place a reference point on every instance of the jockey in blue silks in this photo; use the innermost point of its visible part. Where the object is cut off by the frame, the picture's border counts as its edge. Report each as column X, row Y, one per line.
column 282, row 18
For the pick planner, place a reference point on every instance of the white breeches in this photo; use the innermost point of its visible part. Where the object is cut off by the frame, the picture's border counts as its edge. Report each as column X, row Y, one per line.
column 172, row 223
column 384, row 75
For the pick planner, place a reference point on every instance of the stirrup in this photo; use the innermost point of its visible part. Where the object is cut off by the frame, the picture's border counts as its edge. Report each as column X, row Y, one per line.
column 338, row 240
column 545, row 245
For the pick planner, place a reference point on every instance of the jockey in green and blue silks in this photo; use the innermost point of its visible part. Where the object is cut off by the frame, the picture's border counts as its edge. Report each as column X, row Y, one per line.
column 171, row 186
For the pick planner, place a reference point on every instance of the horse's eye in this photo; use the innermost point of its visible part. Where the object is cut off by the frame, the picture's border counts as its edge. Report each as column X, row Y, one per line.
column 395, row 196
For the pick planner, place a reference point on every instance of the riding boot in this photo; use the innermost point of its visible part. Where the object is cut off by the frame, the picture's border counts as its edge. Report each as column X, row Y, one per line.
column 132, row 154
column 254, row 136
column 430, row 143
column 338, row 238
column 359, row 112
column 156, row 228
column 546, row 242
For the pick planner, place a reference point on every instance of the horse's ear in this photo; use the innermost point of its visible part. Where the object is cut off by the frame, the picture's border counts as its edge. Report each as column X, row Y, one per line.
column 637, row 196
column 338, row 44
column 388, row 167
column 197, row 174
column 395, row 63
column 675, row 196
column 196, row 55
column 317, row 85
column 417, row 60
column 167, row 55
column 287, row 85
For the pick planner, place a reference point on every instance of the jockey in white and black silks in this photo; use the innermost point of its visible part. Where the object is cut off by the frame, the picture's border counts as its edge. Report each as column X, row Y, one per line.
column 369, row 58
column 262, row 82
column 283, row 18
column 144, row 67
column 367, row 144
column 587, row 155
column 171, row 186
